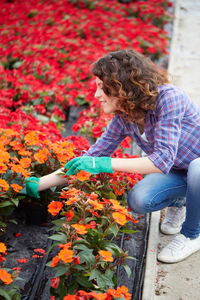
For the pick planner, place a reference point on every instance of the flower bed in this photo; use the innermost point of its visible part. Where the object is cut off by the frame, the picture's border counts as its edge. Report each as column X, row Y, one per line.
column 45, row 57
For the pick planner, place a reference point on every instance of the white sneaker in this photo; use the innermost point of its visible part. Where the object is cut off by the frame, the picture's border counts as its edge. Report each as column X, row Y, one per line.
column 173, row 220
column 179, row 249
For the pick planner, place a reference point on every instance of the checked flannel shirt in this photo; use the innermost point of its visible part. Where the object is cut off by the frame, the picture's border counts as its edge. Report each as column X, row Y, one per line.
column 172, row 132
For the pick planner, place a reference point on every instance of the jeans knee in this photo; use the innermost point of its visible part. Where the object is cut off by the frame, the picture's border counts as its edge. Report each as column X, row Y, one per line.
column 137, row 203
column 194, row 171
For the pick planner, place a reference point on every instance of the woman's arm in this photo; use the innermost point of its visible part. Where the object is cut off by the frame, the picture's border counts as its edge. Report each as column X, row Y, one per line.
column 141, row 165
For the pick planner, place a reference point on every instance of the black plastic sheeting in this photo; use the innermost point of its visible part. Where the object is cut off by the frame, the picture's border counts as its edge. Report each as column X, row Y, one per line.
column 36, row 276
column 35, row 232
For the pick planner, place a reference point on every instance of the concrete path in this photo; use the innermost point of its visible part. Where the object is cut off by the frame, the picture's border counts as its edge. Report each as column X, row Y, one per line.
column 179, row 281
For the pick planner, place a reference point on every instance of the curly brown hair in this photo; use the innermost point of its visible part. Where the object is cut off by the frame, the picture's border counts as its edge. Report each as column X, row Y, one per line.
column 133, row 79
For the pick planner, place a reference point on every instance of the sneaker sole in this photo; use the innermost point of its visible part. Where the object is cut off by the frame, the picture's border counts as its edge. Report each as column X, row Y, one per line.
column 170, row 261
column 170, row 232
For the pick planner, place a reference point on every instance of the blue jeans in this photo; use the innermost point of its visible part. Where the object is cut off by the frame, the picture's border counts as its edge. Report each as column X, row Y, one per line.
column 157, row 191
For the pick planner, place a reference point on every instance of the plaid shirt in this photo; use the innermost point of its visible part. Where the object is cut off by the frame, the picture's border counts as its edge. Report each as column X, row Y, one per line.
column 172, row 132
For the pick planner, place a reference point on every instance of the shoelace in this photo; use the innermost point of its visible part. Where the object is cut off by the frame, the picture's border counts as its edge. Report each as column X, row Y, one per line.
column 172, row 217
column 176, row 243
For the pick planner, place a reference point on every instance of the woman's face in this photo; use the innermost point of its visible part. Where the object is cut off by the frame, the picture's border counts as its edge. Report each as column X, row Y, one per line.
column 108, row 103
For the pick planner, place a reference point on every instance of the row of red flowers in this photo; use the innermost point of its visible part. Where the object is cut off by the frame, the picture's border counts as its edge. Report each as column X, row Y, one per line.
column 46, row 51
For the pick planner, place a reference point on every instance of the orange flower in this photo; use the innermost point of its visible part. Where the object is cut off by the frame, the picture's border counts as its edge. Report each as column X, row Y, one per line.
column 70, row 297
column 54, row 207
column 80, row 229
column 19, row 169
column 5, row 276
column 119, row 218
column 4, row 185
column 116, row 205
column 25, row 162
column 17, row 188
column 83, row 175
column 3, row 248
column 66, row 255
column 115, row 293
column 3, row 168
column 65, row 246
column 32, row 138
column 42, row 155
column 4, row 156
column 72, row 200
column 98, row 296
column 130, row 218
column 106, row 255
column 24, row 152
column 97, row 205
column 93, row 196
column 94, row 213
column 55, row 261
column 124, row 291
column 71, row 192
column 69, row 215
column 16, row 145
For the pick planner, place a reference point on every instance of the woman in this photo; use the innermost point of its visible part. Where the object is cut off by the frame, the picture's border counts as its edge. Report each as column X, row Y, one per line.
column 165, row 123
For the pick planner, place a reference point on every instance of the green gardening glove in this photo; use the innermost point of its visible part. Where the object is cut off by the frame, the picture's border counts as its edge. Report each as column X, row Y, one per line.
column 93, row 165
column 32, row 187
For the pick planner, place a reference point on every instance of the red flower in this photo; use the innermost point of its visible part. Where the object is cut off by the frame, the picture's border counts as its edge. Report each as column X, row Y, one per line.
column 77, row 260
column 18, row 234
column 55, row 282
column 22, row 260
column 93, row 224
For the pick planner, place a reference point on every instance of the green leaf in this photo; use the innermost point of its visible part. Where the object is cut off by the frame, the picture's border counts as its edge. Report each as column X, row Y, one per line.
column 87, row 256
column 71, row 288
column 61, row 270
column 81, row 241
column 4, row 294
column 113, row 229
column 82, row 247
column 17, row 64
column 128, row 231
column 5, row 203
column 84, row 282
column 131, row 257
column 93, row 274
column 59, row 222
column 15, row 201
column 128, row 270
column 60, row 237
column 103, row 279
column 13, row 221
column 110, row 245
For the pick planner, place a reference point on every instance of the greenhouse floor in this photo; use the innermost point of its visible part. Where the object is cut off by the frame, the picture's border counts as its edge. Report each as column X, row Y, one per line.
column 177, row 281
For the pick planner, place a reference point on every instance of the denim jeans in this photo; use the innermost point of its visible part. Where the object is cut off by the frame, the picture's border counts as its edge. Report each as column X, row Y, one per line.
column 157, row 191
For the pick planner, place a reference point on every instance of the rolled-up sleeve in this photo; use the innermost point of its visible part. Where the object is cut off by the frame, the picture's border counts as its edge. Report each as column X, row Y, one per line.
column 110, row 139
column 170, row 112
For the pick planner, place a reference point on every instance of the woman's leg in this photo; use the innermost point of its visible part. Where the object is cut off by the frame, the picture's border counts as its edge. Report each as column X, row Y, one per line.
column 191, row 226
column 188, row 241
column 157, row 191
